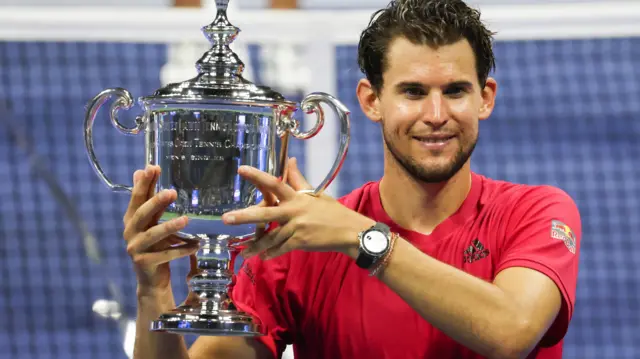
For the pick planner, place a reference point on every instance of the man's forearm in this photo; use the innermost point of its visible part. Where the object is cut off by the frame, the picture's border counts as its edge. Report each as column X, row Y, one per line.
column 475, row 313
column 150, row 345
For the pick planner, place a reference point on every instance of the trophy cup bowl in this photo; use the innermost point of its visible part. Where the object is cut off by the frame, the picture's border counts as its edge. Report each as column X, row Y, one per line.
column 199, row 132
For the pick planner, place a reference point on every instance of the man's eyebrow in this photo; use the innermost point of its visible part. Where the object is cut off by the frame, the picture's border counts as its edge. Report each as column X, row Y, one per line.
column 459, row 83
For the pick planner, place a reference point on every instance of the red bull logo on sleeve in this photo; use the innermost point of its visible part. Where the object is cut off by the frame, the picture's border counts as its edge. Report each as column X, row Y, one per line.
column 562, row 232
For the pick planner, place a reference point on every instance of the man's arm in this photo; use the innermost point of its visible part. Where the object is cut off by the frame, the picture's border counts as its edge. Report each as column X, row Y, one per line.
column 503, row 319
column 508, row 318
column 148, row 344
column 150, row 246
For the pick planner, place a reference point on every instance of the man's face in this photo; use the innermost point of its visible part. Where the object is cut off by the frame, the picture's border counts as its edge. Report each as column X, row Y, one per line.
column 429, row 107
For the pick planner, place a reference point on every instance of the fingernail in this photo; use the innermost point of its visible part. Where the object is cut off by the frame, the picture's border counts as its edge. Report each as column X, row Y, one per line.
column 136, row 177
column 229, row 219
column 148, row 171
column 180, row 222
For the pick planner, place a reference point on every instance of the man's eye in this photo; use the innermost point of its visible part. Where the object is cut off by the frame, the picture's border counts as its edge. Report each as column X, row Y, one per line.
column 414, row 92
column 455, row 91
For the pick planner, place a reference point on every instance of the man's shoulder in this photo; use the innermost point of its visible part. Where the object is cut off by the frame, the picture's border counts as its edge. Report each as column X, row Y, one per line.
column 506, row 193
column 528, row 210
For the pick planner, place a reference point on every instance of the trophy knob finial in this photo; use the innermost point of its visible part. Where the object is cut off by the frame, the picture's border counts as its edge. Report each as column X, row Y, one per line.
column 219, row 71
column 220, row 59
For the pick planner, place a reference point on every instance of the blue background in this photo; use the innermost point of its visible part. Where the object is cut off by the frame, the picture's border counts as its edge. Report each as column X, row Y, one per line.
column 568, row 115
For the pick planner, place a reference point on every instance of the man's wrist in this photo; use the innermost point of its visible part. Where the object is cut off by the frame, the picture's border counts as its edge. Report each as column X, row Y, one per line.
column 144, row 291
column 362, row 224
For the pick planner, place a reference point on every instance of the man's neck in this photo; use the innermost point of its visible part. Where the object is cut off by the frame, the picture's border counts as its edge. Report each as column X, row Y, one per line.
column 419, row 206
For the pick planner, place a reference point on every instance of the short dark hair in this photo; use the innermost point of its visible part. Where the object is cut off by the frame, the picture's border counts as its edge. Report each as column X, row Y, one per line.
column 430, row 22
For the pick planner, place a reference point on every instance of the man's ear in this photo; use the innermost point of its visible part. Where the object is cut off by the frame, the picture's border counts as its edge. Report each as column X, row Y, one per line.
column 488, row 98
column 369, row 101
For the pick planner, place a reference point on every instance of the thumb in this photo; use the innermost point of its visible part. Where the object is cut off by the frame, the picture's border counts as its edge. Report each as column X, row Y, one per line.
column 295, row 178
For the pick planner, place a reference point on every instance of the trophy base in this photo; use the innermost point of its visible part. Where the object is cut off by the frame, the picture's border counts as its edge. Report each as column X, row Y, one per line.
column 201, row 321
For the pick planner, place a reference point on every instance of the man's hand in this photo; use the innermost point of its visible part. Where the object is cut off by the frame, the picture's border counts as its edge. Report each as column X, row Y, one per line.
column 152, row 245
column 309, row 223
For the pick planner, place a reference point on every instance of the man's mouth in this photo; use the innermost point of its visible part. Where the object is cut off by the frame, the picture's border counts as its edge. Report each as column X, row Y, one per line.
column 435, row 139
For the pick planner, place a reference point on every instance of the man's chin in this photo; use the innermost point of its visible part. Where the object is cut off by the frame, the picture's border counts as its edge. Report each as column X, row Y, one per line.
column 437, row 176
column 434, row 170
column 431, row 166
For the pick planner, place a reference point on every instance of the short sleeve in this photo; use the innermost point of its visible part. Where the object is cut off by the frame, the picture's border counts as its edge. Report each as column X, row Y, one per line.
column 259, row 290
column 543, row 233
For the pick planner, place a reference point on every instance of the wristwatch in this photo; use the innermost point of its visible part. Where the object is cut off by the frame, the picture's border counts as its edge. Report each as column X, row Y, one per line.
column 375, row 242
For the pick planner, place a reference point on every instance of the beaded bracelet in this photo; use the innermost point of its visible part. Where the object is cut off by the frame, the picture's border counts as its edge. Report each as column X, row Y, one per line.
column 382, row 263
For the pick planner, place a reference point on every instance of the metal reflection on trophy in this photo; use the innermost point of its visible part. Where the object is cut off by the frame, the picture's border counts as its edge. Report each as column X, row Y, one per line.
column 199, row 132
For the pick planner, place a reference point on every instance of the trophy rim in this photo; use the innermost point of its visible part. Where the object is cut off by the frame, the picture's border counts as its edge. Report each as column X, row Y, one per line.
column 216, row 323
column 171, row 99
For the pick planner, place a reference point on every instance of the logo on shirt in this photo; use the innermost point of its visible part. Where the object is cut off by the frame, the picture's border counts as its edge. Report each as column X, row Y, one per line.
column 246, row 268
column 475, row 252
column 562, row 232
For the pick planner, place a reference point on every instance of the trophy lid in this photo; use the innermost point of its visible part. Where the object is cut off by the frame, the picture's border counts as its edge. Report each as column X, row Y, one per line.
column 219, row 72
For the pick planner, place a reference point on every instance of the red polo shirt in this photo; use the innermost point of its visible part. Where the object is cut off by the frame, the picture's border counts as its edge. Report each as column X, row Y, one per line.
column 329, row 308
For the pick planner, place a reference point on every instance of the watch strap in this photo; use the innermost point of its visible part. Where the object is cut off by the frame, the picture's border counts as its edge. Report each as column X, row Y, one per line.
column 365, row 260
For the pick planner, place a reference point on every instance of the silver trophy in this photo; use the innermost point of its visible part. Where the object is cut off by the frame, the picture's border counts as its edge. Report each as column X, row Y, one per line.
column 199, row 132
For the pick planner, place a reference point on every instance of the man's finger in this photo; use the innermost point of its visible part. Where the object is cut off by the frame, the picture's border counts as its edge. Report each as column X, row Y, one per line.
column 152, row 189
column 141, row 219
column 140, row 191
column 279, row 249
column 267, row 183
column 155, row 175
column 268, row 199
column 261, row 227
column 145, row 241
column 256, row 215
column 273, row 239
column 167, row 255
column 295, row 178
column 260, row 244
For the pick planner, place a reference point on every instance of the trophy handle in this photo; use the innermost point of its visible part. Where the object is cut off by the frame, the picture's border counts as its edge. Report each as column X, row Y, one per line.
column 123, row 100
column 311, row 104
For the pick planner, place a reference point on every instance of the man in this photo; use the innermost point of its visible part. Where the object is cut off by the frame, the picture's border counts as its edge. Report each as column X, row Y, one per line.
column 432, row 261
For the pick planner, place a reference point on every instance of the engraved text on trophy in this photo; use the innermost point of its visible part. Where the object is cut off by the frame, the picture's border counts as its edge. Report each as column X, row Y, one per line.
column 200, row 152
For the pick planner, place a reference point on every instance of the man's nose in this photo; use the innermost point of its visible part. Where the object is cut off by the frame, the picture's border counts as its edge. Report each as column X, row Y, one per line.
column 434, row 110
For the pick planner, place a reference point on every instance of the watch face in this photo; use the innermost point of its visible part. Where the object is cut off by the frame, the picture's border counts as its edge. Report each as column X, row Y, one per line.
column 375, row 242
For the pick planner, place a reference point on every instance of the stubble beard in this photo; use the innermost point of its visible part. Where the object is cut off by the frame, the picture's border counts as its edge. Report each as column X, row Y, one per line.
column 432, row 174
